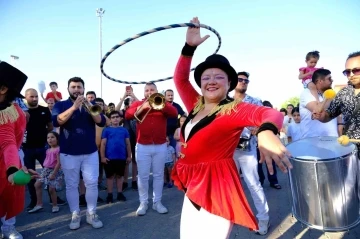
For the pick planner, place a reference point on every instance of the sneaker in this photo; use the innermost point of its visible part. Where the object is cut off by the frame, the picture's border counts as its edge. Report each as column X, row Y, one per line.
column 93, row 220
column 36, row 209
column 263, row 227
column 75, row 221
column 141, row 211
column 109, row 198
column 11, row 234
column 134, row 185
column 55, row 209
column 121, row 197
column 160, row 208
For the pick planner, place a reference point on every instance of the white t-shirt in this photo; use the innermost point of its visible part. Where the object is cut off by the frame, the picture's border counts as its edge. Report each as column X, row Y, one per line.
column 314, row 128
column 294, row 131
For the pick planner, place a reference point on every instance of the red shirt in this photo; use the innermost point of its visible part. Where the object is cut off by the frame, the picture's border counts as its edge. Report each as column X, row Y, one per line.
column 51, row 95
column 153, row 129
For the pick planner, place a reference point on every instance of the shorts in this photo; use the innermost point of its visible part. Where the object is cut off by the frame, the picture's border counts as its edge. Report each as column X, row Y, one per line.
column 306, row 82
column 169, row 165
column 115, row 167
column 56, row 183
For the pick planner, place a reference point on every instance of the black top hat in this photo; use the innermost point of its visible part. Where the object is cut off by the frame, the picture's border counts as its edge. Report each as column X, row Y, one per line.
column 217, row 61
column 12, row 78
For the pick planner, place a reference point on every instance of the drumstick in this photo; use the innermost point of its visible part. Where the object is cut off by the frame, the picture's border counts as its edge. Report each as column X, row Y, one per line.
column 345, row 140
column 328, row 96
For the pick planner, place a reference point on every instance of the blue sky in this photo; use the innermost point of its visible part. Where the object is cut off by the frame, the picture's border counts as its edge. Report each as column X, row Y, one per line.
column 57, row 40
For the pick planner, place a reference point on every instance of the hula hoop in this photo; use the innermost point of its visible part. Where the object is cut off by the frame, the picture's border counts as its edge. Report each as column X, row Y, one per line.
column 146, row 33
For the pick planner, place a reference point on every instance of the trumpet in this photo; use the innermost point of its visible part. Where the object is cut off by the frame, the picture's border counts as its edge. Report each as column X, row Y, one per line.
column 156, row 102
column 94, row 110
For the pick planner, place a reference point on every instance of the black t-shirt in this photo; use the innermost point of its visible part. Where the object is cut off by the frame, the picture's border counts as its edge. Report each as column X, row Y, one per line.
column 36, row 128
column 172, row 123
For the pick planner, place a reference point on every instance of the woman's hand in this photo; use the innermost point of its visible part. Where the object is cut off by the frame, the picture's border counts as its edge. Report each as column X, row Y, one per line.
column 271, row 148
column 193, row 37
column 33, row 174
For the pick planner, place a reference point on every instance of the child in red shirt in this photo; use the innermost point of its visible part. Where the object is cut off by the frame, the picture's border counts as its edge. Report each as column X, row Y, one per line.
column 53, row 94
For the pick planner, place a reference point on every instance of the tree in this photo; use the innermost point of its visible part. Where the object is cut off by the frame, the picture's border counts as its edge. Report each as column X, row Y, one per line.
column 293, row 100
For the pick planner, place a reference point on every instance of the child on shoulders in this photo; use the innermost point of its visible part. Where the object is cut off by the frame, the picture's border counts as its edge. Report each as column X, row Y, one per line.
column 306, row 73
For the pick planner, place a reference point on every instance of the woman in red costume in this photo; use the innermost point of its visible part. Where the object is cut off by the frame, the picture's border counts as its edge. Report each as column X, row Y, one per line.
column 12, row 128
column 206, row 172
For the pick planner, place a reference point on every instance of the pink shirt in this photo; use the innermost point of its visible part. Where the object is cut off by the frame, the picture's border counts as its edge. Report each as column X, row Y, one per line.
column 307, row 70
column 51, row 157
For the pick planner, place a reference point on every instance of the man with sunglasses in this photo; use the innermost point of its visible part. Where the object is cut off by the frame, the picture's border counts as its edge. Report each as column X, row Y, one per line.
column 347, row 101
column 245, row 157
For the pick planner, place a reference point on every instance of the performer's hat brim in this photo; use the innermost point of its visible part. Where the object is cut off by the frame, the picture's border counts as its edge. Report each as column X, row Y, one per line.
column 217, row 61
column 12, row 78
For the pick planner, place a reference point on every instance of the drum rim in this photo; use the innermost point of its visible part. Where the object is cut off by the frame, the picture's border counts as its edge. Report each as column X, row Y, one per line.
column 322, row 160
column 354, row 150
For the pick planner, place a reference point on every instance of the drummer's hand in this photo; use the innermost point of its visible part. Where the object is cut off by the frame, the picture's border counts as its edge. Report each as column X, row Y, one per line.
column 271, row 148
column 193, row 37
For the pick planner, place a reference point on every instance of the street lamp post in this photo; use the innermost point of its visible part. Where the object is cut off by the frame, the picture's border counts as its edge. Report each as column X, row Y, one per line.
column 99, row 13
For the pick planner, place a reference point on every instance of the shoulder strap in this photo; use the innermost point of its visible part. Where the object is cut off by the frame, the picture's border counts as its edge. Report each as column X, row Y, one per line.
column 356, row 110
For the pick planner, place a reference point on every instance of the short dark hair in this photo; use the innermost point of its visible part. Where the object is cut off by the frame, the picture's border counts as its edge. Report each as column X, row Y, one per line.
column 111, row 104
column 127, row 102
column 290, row 105
column 243, row 73
column 267, row 103
column 77, row 80
column 312, row 54
column 90, row 93
column 99, row 100
column 320, row 73
column 170, row 90
column 283, row 110
column 114, row 112
column 296, row 109
column 354, row 54
column 150, row 83
column 53, row 83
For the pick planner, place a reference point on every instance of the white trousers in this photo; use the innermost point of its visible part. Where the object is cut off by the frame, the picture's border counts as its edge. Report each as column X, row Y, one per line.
column 248, row 163
column 197, row 224
column 147, row 157
column 89, row 166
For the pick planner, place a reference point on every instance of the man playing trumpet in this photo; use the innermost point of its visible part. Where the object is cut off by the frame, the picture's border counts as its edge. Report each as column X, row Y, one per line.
column 78, row 151
column 151, row 148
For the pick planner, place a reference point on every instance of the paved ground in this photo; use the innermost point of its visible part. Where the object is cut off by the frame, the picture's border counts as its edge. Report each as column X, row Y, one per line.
column 120, row 221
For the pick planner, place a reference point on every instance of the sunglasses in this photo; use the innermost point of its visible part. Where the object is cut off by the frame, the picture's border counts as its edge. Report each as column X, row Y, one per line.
column 246, row 81
column 355, row 71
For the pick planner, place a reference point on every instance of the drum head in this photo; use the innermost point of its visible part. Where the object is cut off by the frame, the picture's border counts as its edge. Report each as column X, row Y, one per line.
column 319, row 149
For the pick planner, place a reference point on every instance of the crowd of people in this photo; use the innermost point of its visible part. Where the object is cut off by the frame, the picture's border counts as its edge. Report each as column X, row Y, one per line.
column 79, row 138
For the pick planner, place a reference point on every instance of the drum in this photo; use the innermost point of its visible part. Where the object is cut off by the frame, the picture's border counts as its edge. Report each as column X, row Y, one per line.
column 324, row 183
